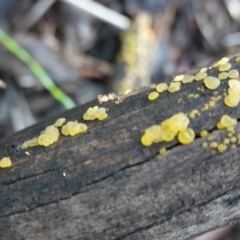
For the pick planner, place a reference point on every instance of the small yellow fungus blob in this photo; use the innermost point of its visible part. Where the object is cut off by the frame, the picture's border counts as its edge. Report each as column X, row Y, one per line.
column 60, row 122
column 193, row 113
column 224, row 67
column 203, row 69
column 178, row 122
column 238, row 136
column 178, row 78
column 230, row 134
column 211, row 137
column 162, row 151
column 33, row 142
column 237, row 59
column 223, row 75
column 233, row 139
column 200, row 76
column 153, row 96
column 221, row 148
column 174, row 87
column 187, row 79
column 95, row 113
column 161, row 87
column 233, row 91
column 212, row 82
column 234, row 83
column 5, row 162
column 49, row 136
column 233, row 73
column 232, row 100
column 213, row 144
column 204, row 145
column 227, row 121
column 230, row 129
column 226, row 141
column 211, row 104
column 146, row 140
column 186, row 136
column 223, row 61
column 73, row 128
column 203, row 133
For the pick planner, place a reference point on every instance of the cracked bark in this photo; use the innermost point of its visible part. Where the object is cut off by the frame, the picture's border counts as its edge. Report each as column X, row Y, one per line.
column 105, row 185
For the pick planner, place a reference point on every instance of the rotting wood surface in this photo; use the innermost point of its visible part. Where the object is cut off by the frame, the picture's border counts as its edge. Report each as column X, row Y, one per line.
column 105, row 185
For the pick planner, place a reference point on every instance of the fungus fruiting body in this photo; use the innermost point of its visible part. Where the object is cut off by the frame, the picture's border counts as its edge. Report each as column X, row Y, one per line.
column 153, row 96
column 95, row 113
column 5, row 162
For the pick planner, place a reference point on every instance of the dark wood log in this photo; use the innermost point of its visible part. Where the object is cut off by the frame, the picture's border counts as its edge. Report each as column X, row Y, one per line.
column 105, row 185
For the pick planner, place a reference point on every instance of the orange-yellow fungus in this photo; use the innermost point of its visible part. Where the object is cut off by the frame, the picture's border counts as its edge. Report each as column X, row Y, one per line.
column 203, row 133
column 174, row 87
column 233, row 73
column 223, row 75
column 221, row 148
column 187, row 79
column 232, row 100
column 161, row 87
column 200, row 76
column 186, row 136
column 5, row 162
column 224, row 67
column 178, row 78
column 212, row 82
column 153, row 96
column 162, row 151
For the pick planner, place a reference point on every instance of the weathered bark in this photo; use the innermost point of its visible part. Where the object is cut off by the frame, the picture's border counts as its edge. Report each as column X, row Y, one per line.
column 105, row 185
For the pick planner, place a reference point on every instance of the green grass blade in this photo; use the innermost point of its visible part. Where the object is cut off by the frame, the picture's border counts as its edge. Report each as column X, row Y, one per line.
column 12, row 46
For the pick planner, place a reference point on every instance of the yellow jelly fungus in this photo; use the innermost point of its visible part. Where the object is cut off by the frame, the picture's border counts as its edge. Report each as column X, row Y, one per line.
column 187, row 79
column 234, row 83
column 227, row 121
column 233, row 139
column 230, row 134
column 24, row 145
column 60, row 122
column 211, row 137
column 73, row 128
column 200, row 76
column 213, row 144
column 178, row 122
column 212, row 82
column 153, row 96
column 161, row 87
column 224, row 67
column 221, row 148
column 233, row 73
column 5, row 162
column 237, row 59
column 211, row 104
column 162, row 151
column 203, row 69
column 230, row 129
column 232, row 100
column 178, row 78
column 146, row 140
column 174, row 87
column 233, row 91
column 186, row 136
column 226, row 141
column 238, row 136
column 95, row 113
column 33, row 142
column 223, row 75
column 193, row 113
column 203, row 133
column 204, row 145
column 49, row 136
column 223, row 61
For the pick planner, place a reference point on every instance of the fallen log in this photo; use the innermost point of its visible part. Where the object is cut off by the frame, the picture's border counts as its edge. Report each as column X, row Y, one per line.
column 104, row 184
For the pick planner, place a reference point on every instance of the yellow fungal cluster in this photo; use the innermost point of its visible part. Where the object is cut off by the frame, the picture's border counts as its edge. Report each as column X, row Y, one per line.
column 226, row 122
column 177, row 125
column 60, row 122
column 95, row 113
column 200, row 76
column 174, row 87
column 153, row 96
column 49, row 136
column 212, row 82
column 73, row 128
column 5, row 162
column 161, row 87
column 194, row 113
